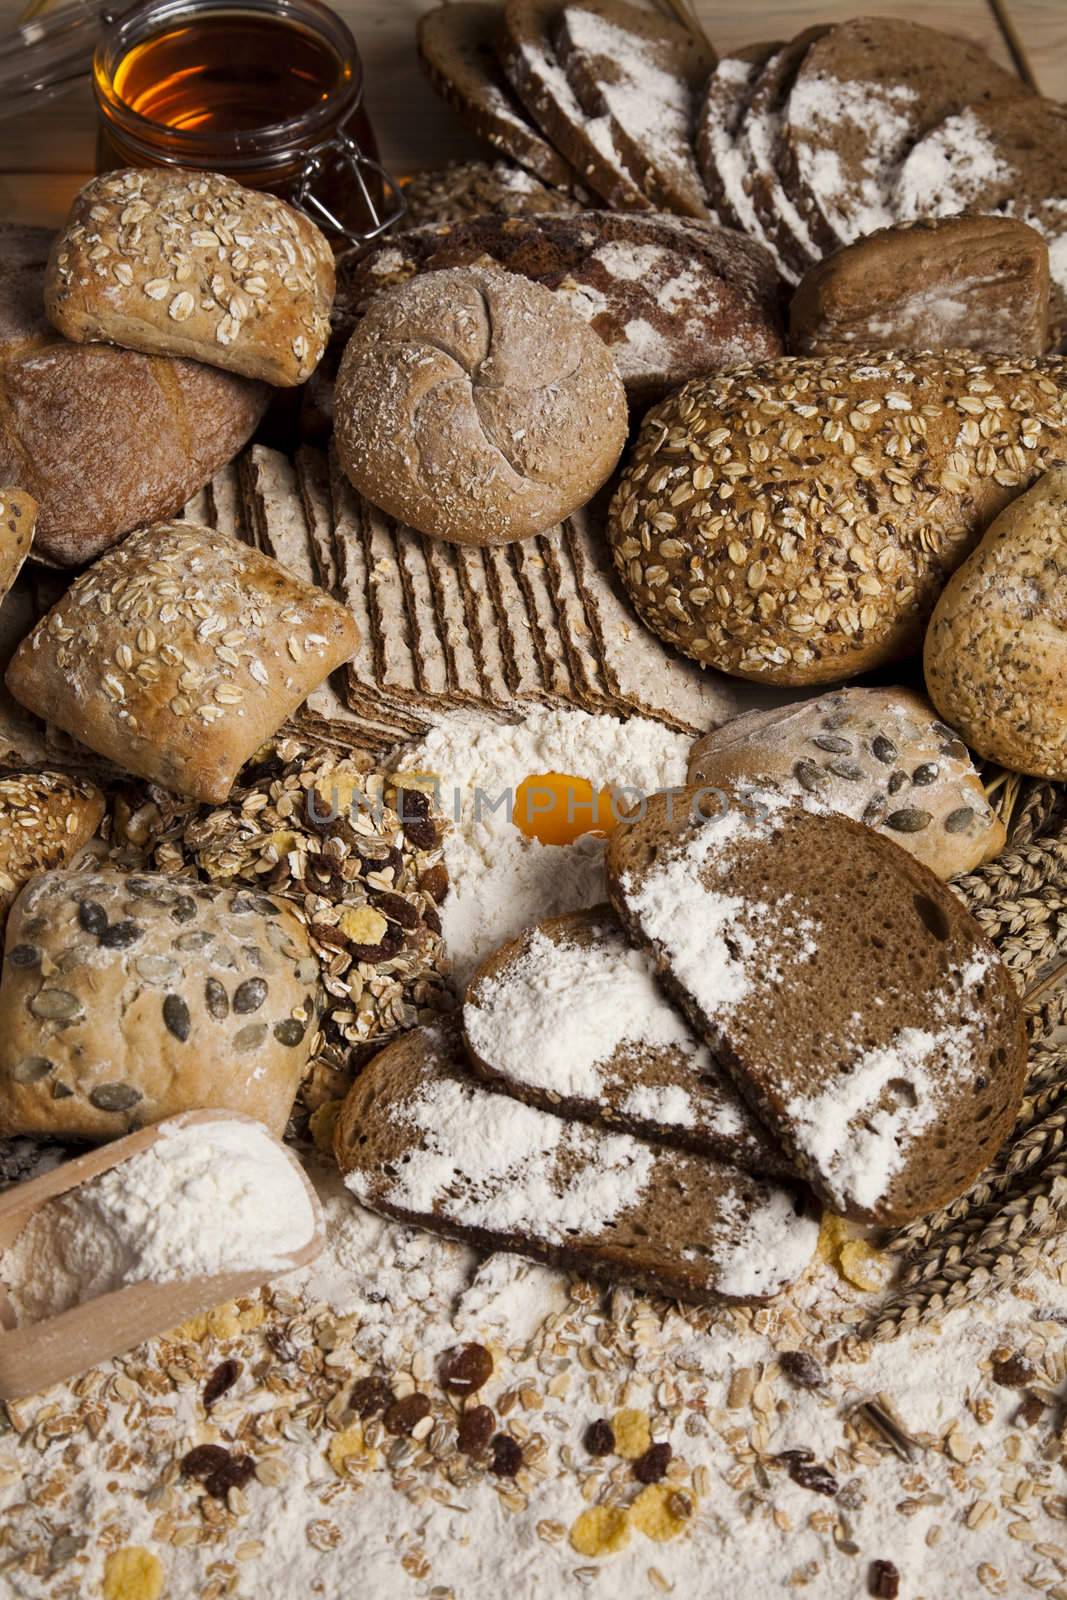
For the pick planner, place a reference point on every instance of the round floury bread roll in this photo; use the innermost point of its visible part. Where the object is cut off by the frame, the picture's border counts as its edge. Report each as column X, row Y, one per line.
column 996, row 649
column 179, row 263
column 794, row 522
column 473, row 406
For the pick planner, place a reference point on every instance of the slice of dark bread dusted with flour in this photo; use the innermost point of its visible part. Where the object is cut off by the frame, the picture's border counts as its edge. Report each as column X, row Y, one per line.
column 569, row 1017
column 420, row 1139
column 782, row 222
column 719, row 126
column 643, row 73
column 455, row 47
column 857, row 1004
column 864, row 93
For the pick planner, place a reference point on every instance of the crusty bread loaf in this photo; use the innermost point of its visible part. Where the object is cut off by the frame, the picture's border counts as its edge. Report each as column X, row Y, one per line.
column 475, row 407
column 996, row 648
column 126, row 998
column 671, row 300
column 45, row 818
column 18, row 515
column 642, row 73
column 178, row 653
column 568, row 1017
column 795, row 522
column 864, row 93
column 182, row 263
column 879, row 756
column 858, row 1005
column 419, row 1139
column 944, row 283
column 103, row 439
column 455, row 45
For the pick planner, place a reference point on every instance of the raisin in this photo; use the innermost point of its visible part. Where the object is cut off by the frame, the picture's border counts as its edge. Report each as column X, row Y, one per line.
column 203, row 1460
column 224, row 1377
column 370, row 1397
column 1014, row 1372
column 883, row 1580
column 802, row 1369
column 421, row 832
column 507, row 1456
column 1030, row 1411
column 397, row 909
column 465, row 1368
column 412, row 805
column 808, row 1473
column 233, row 1475
column 434, row 882
column 651, row 1467
column 475, row 1430
column 600, row 1437
column 432, row 920
column 404, row 1415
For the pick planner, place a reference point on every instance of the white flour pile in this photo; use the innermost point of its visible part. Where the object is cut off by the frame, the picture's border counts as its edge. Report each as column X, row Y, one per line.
column 502, row 881
column 211, row 1198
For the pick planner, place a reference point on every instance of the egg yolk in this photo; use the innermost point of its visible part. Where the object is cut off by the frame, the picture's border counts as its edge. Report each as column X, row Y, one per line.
column 557, row 808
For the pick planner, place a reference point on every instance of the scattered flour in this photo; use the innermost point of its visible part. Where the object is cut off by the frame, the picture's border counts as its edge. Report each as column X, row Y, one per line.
column 832, row 113
column 211, row 1198
column 502, row 881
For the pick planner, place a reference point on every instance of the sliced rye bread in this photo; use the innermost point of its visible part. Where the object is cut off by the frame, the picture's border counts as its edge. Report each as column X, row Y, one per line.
column 1007, row 158
column 530, row 64
column 672, row 299
column 759, row 142
column 939, row 283
column 864, row 93
column 718, row 129
column 455, row 47
column 420, row 1139
column 569, row 1017
column 644, row 74
column 857, row 1004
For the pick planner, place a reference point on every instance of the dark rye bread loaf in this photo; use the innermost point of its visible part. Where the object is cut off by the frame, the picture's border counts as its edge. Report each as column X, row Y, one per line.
column 671, row 299
column 643, row 74
column 418, row 1138
column 568, row 1017
column 103, row 439
column 942, row 283
column 795, row 522
column 857, row 1004
column 528, row 57
column 1007, row 157
column 864, row 93
column 455, row 47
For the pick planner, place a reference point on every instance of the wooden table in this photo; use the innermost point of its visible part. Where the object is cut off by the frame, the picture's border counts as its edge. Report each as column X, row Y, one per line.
column 46, row 156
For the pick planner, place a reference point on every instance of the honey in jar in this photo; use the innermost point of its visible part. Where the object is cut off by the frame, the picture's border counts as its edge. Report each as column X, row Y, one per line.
column 269, row 92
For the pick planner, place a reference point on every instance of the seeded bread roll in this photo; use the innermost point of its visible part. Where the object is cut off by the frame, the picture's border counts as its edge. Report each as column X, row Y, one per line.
column 105, row 440
column 857, row 1004
column 179, row 263
column 179, row 653
column 945, row 283
column 879, row 756
column 18, row 514
column 419, row 1139
column 795, row 522
column 475, row 407
column 45, row 818
column 568, row 1017
column 996, row 649
column 126, row 998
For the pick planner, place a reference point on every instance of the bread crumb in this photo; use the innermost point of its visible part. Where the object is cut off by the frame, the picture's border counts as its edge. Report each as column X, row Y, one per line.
column 601, row 1531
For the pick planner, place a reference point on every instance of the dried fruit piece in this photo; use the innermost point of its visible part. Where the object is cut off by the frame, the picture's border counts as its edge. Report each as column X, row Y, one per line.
column 133, row 1573
column 883, row 1580
column 1013, row 1372
column 404, row 1415
column 475, row 1430
column 802, row 1369
column 465, row 1369
column 600, row 1438
column 600, row 1531
column 652, row 1466
column 807, row 1472
column 661, row 1512
column 224, row 1377
column 633, row 1433
column 370, row 1396
column 507, row 1456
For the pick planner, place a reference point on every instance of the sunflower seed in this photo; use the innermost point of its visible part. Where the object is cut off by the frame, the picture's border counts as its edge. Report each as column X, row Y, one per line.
column 32, row 1069
column 121, row 935
column 926, row 773
column 290, row 1031
column 897, row 780
column 197, row 939
column 114, row 1096
column 851, row 771
column 250, row 1038
column 249, row 996
column 61, row 1091
column 874, row 812
column 833, row 743
column 184, row 909
column 176, row 1017
column 216, row 999
column 809, row 776
column 158, row 969
column 28, row 955
column 910, row 820
column 92, row 916
column 959, row 821
column 56, row 1005
column 883, row 749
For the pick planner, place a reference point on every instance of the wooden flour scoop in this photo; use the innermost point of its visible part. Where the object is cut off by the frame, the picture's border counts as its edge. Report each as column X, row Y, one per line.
column 42, row 1353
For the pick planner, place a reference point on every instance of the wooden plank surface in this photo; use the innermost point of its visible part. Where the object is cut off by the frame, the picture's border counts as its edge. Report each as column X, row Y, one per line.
column 46, row 155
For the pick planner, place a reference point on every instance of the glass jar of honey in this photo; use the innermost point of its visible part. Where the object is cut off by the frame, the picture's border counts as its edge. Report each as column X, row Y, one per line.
column 268, row 92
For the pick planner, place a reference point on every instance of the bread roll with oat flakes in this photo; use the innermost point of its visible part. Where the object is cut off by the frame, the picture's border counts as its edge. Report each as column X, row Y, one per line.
column 996, row 649
column 794, row 522
column 475, row 407
column 178, row 653
column 18, row 515
column 128, row 997
column 181, row 263
column 45, row 818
